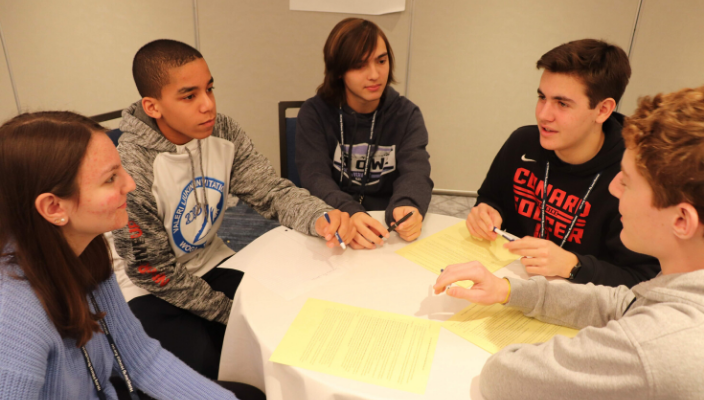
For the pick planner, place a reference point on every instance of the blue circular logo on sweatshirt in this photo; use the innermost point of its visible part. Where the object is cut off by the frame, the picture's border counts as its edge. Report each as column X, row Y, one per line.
column 191, row 224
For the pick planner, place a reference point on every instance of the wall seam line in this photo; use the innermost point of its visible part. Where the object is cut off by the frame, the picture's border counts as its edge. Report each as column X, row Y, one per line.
column 9, row 71
column 196, row 24
column 410, row 39
column 633, row 39
column 635, row 28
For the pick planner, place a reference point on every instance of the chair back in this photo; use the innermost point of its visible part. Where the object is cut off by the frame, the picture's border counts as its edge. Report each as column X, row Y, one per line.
column 287, row 142
column 113, row 134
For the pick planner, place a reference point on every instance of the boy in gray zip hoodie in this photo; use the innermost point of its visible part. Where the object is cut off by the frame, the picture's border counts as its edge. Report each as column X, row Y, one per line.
column 185, row 160
column 642, row 343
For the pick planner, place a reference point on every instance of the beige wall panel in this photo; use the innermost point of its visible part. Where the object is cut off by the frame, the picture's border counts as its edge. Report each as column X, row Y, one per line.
column 473, row 71
column 77, row 54
column 8, row 109
column 261, row 53
column 667, row 52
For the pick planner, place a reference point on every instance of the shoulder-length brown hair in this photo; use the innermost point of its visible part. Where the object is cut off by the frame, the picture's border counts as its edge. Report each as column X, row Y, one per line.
column 42, row 153
column 350, row 43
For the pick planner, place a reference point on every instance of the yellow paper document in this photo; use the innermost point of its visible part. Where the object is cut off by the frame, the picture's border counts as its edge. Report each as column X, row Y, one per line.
column 377, row 347
column 454, row 245
column 494, row 327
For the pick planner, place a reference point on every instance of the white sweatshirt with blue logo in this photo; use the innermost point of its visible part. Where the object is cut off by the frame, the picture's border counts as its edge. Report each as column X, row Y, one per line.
column 175, row 211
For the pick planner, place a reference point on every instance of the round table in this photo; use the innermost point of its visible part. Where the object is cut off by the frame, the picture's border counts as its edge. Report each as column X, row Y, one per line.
column 284, row 268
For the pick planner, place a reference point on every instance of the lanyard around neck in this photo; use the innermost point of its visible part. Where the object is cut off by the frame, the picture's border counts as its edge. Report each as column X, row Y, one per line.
column 367, row 160
column 115, row 352
column 576, row 215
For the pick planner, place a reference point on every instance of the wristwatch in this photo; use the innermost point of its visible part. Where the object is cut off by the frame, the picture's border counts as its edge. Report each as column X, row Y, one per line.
column 575, row 271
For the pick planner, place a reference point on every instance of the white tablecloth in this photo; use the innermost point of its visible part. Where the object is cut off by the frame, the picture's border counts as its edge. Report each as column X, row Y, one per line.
column 264, row 308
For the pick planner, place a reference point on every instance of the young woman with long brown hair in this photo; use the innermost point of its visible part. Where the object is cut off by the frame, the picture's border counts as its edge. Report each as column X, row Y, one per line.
column 64, row 325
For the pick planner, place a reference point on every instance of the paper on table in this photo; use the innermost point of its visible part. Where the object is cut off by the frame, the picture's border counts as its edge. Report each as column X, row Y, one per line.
column 455, row 245
column 290, row 280
column 494, row 327
column 371, row 346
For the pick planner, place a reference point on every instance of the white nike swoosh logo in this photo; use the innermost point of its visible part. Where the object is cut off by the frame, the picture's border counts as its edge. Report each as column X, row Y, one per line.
column 523, row 157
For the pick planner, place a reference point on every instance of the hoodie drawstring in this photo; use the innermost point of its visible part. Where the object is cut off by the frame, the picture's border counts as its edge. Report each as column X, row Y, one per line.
column 199, row 206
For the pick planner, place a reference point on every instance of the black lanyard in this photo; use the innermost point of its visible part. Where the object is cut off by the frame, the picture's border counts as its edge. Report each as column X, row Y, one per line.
column 545, row 200
column 115, row 352
column 342, row 153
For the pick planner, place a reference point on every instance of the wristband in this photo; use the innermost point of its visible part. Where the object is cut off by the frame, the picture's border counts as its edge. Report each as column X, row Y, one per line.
column 508, row 294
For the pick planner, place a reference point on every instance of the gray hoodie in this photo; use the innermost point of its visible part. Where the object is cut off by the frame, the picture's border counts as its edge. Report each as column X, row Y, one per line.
column 175, row 211
column 653, row 349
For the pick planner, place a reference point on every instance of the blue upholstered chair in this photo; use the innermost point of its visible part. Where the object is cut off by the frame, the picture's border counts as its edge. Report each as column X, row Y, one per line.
column 287, row 142
column 114, row 134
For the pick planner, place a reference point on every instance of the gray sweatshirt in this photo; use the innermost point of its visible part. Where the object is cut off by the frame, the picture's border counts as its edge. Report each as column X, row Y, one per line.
column 175, row 211
column 654, row 350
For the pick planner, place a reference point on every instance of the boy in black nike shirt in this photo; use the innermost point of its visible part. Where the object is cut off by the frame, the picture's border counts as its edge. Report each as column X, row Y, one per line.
column 569, row 158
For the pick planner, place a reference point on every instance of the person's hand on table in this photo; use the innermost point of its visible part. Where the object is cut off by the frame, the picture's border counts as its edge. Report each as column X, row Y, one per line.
column 543, row 257
column 340, row 223
column 367, row 231
column 482, row 220
column 409, row 229
column 487, row 289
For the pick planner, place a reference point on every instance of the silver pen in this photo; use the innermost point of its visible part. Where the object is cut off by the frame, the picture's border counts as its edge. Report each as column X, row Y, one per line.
column 505, row 234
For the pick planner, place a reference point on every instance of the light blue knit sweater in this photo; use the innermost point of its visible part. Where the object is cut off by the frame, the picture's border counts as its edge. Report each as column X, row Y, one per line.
column 36, row 363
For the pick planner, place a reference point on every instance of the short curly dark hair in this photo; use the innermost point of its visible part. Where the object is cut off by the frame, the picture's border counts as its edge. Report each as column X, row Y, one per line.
column 151, row 64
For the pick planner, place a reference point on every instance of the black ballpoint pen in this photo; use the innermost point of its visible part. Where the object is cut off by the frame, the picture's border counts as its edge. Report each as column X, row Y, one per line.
column 399, row 222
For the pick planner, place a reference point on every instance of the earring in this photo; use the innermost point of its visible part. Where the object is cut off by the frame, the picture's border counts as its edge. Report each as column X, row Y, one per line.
column 62, row 220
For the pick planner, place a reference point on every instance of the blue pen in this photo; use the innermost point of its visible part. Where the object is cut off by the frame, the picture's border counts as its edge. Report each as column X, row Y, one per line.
column 337, row 235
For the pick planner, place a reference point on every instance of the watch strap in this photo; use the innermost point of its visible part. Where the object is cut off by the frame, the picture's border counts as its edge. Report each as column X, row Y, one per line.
column 575, row 270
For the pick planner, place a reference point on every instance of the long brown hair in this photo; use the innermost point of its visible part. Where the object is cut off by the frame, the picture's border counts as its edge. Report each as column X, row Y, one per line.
column 42, row 153
column 350, row 43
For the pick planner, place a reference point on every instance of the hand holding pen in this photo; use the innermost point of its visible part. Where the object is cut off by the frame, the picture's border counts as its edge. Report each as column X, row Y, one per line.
column 408, row 222
column 481, row 221
column 399, row 222
column 337, row 235
column 369, row 232
column 335, row 227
